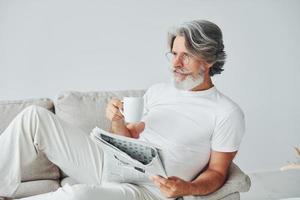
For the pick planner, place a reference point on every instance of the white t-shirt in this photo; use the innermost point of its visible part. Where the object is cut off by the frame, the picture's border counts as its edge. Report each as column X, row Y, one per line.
column 187, row 125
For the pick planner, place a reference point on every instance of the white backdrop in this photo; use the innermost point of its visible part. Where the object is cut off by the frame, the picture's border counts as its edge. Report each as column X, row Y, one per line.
column 50, row 46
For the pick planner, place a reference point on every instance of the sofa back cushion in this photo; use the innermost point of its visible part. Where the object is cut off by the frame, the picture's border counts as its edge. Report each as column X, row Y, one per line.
column 41, row 168
column 86, row 110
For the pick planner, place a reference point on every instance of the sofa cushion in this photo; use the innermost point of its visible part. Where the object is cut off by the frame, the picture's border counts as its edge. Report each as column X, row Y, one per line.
column 41, row 168
column 237, row 182
column 234, row 196
column 31, row 188
column 87, row 109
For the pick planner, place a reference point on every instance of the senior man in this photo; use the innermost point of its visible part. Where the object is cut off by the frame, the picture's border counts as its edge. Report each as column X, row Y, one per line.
column 198, row 128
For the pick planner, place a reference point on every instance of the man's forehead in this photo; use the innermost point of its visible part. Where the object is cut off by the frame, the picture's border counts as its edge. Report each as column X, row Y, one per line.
column 179, row 45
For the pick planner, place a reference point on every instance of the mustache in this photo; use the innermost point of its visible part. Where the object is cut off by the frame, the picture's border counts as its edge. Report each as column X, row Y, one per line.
column 180, row 70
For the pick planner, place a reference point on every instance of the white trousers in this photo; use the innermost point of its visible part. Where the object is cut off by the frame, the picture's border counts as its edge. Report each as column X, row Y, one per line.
column 38, row 130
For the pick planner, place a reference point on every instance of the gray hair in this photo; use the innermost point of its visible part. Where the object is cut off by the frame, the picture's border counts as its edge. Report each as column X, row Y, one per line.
column 203, row 39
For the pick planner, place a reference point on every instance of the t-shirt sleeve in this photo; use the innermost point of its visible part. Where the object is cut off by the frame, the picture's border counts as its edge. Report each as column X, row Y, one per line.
column 229, row 132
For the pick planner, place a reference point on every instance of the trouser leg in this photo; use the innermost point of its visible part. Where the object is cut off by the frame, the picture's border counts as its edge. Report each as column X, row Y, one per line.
column 97, row 192
column 36, row 129
column 110, row 191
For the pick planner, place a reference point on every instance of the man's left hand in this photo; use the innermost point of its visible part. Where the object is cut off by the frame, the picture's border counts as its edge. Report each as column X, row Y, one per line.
column 172, row 186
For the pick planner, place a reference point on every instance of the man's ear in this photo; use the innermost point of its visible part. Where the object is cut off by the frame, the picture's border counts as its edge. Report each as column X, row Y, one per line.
column 208, row 65
column 205, row 66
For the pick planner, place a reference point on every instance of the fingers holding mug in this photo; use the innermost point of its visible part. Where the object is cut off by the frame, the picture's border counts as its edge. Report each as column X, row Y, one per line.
column 114, row 110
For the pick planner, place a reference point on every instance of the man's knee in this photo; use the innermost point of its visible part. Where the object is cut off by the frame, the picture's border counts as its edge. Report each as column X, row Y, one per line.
column 34, row 110
column 30, row 117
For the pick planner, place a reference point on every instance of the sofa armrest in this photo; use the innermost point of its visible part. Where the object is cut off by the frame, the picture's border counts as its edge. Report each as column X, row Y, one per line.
column 237, row 181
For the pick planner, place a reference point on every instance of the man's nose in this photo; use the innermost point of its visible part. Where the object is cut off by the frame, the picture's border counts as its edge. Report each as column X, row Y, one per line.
column 177, row 61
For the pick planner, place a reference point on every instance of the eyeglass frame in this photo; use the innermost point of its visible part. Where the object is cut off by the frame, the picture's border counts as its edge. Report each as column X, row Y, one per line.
column 185, row 57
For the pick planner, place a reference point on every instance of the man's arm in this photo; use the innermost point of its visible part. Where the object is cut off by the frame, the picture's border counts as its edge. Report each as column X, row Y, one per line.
column 215, row 175
column 207, row 182
column 130, row 129
column 120, row 128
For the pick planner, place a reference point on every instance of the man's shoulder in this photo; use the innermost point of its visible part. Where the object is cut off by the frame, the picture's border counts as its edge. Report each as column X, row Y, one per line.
column 226, row 105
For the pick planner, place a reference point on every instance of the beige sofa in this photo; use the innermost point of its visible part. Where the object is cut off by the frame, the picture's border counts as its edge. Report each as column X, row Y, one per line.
column 85, row 110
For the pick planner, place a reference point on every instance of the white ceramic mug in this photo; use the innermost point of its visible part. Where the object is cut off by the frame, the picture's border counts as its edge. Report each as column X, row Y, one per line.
column 132, row 109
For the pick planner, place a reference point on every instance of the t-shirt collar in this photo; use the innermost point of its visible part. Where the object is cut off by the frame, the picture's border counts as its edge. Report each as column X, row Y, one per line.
column 211, row 90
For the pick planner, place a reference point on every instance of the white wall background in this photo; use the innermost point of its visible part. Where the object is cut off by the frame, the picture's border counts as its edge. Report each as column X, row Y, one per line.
column 50, row 46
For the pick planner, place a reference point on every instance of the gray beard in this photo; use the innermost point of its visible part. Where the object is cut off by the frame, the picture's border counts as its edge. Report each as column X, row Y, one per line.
column 188, row 83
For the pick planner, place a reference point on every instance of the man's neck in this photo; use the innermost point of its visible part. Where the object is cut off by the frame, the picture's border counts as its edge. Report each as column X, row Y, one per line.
column 204, row 86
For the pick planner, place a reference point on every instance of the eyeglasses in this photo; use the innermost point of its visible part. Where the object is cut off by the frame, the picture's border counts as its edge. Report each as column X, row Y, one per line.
column 185, row 57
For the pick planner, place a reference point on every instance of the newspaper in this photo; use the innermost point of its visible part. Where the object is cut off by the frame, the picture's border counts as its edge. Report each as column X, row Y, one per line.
column 128, row 159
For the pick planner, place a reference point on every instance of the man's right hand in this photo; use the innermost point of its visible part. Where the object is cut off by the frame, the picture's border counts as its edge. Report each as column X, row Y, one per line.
column 113, row 113
column 118, row 124
column 113, row 110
